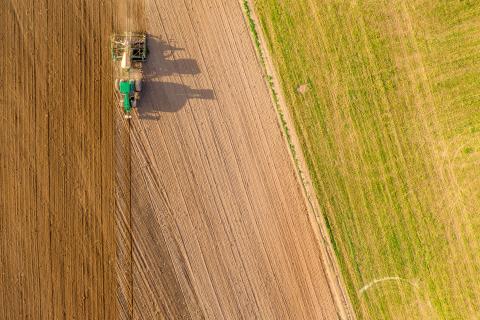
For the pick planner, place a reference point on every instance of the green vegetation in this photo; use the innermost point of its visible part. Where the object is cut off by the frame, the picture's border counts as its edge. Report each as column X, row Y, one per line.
column 390, row 128
column 271, row 85
column 253, row 30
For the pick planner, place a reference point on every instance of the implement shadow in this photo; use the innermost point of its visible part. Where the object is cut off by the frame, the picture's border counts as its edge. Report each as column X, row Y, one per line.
column 159, row 96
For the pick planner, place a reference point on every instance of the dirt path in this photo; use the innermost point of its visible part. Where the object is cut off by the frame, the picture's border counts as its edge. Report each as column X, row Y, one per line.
column 220, row 226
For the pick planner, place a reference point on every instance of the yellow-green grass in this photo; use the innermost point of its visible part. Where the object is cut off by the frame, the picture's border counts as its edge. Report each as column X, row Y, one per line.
column 390, row 129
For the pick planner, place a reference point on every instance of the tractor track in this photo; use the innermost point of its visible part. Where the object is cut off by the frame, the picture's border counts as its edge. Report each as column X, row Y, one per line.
column 220, row 227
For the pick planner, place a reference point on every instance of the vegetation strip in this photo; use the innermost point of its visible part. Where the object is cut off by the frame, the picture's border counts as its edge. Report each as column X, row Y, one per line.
column 328, row 242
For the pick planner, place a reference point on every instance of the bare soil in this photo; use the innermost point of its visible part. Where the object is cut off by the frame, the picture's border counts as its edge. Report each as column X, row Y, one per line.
column 56, row 161
column 220, row 226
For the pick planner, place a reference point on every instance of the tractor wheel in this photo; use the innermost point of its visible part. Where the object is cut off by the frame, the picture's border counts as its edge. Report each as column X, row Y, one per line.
column 138, row 85
column 133, row 101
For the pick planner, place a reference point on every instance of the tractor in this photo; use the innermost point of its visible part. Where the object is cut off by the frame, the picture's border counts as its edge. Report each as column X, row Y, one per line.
column 129, row 52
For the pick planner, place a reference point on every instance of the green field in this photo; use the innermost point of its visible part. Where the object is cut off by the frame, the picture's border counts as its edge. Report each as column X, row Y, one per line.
column 390, row 126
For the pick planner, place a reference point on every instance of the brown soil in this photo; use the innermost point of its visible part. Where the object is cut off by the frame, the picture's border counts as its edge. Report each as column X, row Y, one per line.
column 210, row 218
column 302, row 88
column 56, row 163
column 220, row 226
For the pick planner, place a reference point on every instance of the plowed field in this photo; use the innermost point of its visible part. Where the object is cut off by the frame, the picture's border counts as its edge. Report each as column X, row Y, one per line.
column 211, row 220
column 56, row 161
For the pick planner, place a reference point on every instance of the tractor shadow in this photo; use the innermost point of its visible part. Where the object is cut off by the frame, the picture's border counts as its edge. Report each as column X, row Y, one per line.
column 159, row 95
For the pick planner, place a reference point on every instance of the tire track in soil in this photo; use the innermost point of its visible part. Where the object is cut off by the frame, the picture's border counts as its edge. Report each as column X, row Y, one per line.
column 220, row 226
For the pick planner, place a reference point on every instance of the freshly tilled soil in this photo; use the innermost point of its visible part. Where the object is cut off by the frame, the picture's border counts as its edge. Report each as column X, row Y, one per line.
column 56, row 161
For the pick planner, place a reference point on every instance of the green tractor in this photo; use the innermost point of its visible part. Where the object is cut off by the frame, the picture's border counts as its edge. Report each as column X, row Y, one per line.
column 129, row 90
column 129, row 51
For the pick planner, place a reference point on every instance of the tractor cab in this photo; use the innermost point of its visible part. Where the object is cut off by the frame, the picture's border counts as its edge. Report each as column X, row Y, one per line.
column 127, row 91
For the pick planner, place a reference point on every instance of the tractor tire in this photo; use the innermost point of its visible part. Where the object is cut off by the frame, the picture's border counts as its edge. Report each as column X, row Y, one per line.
column 138, row 85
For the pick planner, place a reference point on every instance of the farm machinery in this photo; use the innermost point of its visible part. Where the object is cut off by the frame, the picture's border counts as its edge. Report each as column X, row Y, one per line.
column 129, row 51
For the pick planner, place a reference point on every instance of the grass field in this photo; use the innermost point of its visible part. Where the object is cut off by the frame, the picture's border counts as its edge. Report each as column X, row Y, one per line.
column 389, row 122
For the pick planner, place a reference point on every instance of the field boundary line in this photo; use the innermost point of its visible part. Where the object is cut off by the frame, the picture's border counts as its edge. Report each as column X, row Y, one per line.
column 335, row 281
